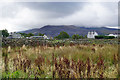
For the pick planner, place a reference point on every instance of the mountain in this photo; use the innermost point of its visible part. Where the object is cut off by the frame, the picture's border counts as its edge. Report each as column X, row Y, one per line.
column 54, row 30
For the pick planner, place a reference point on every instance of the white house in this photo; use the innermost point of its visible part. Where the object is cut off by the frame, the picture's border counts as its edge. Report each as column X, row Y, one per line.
column 115, row 35
column 92, row 34
column 40, row 37
column 45, row 37
column 14, row 35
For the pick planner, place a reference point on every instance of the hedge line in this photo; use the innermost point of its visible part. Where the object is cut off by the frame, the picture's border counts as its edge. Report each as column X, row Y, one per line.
column 104, row 37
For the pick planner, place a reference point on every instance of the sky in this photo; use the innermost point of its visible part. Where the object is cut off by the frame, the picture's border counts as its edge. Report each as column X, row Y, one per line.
column 19, row 16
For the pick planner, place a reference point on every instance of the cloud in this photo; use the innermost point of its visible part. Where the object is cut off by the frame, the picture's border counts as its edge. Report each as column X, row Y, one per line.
column 22, row 16
column 59, row 0
column 94, row 14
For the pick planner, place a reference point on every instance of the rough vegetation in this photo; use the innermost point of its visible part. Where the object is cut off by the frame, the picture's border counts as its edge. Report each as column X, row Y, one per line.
column 60, row 59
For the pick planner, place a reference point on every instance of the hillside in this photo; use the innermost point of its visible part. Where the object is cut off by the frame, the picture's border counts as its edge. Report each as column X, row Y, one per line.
column 54, row 30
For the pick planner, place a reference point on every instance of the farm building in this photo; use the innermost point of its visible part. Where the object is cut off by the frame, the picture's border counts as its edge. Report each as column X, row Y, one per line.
column 92, row 34
column 45, row 37
column 40, row 37
column 14, row 35
column 115, row 35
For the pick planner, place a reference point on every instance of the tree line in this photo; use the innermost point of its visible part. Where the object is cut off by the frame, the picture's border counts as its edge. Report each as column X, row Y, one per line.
column 62, row 35
column 65, row 35
column 31, row 34
column 6, row 34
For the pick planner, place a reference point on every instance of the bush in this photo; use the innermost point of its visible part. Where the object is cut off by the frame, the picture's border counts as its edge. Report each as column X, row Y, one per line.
column 77, row 36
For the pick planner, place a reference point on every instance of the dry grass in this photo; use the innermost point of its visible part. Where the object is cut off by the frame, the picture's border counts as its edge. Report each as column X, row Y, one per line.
column 74, row 61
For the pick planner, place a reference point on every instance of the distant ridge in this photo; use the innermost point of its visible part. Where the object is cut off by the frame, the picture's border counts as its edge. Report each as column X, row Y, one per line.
column 54, row 30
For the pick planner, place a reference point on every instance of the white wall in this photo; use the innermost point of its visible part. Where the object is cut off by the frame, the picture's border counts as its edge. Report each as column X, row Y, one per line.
column 92, row 34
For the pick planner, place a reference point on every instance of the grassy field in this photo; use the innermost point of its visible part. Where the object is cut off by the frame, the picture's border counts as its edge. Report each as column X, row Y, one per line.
column 87, row 60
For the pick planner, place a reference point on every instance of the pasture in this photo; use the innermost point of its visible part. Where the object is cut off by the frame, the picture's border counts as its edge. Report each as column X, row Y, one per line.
column 60, row 58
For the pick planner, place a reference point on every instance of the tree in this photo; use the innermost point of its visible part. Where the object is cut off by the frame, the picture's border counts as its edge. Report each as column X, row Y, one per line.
column 85, row 36
column 40, row 34
column 5, row 33
column 62, row 35
column 81, row 37
column 30, row 34
column 24, row 34
column 27, row 35
column 75, row 36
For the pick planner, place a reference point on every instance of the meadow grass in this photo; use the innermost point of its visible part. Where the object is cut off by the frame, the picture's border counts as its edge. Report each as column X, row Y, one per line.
column 70, row 61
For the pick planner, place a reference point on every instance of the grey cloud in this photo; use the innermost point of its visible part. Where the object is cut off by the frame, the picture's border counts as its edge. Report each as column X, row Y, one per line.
column 55, row 9
column 28, row 15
